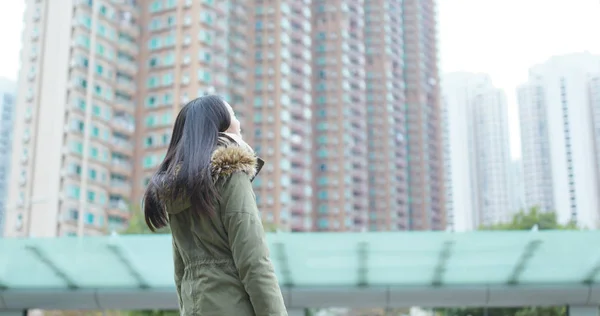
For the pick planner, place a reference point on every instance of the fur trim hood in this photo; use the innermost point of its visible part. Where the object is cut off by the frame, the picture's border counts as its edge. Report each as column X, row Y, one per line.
column 227, row 160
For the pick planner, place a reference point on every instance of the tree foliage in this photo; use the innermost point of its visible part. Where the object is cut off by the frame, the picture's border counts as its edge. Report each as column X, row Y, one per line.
column 521, row 221
column 137, row 224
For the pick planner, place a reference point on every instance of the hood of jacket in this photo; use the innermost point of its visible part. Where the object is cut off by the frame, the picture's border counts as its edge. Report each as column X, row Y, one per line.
column 227, row 159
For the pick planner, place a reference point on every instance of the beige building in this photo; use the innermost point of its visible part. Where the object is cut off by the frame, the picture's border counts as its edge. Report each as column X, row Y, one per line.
column 73, row 147
column 321, row 88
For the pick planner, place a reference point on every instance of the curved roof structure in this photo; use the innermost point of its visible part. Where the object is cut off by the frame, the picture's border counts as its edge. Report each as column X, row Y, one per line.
column 318, row 270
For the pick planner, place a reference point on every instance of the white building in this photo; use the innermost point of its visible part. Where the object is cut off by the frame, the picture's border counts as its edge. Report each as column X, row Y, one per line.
column 558, row 138
column 492, row 157
column 516, row 185
column 537, row 172
column 7, row 105
column 479, row 151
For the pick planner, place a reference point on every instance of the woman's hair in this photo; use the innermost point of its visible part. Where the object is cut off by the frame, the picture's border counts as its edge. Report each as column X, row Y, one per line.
column 186, row 170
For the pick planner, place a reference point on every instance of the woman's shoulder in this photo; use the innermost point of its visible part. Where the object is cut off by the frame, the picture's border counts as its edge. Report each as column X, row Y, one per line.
column 230, row 158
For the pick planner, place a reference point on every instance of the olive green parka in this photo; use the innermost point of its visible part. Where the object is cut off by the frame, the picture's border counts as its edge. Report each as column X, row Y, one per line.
column 222, row 265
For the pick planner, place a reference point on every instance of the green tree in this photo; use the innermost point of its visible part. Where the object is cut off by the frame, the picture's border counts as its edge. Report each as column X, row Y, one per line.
column 137, row 224
column 521, row 221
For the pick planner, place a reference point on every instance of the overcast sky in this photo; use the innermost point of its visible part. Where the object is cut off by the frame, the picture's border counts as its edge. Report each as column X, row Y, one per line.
column 500, row 37
column 505, row 37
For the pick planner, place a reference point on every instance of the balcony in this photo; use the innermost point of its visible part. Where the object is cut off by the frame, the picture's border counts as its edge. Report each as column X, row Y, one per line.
column 126, row 85
column 119, row 208
column 121, row 166
column 122, row 146
column 124, row 105
column 121, row 188
column 123, row 125
column 129, row 29
column 128, row 66
column 129, row 48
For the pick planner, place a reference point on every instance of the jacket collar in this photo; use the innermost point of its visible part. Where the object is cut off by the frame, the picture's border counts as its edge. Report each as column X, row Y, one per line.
column 231, row 157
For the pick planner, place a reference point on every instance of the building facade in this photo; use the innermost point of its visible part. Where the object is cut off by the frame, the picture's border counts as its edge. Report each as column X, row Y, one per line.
column 424, row 145
column 7, row 108
column 340, row 148
column 494, row 203
column 594, row 98
column 386, row 116
column 72, row 157
column 535, row 148
column 479, row 151
column 321, row 89
column 279, row 117
column 559, row 139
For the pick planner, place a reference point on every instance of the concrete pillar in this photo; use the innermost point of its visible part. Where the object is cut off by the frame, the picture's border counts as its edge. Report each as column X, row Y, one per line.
column 584, row 311
column 291, row 312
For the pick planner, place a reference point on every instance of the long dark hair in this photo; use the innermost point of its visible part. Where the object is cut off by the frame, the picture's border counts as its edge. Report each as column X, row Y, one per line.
column 186, row 170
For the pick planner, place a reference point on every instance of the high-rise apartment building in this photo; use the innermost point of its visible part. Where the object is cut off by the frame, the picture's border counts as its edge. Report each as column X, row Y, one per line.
column 7, row 107
column 535, row 148
column 386, row 116
column 73, row 148
column 494, row 203
column 558, row 139
column 277, row 112
column 594, row 98
column 340, row 99
column 340, row 127
column 459, row 89
column 479, row 151
column 423, row 117
column 189, row 49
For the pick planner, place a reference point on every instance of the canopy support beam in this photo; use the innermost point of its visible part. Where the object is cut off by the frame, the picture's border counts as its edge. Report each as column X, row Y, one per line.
column 440, row 268
column 119, row 253
column 590, row 275
column 44, row 258
column 528, row 252
column 363, row 259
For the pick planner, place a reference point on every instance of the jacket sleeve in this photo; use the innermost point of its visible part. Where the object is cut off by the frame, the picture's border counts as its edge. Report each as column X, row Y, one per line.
column 248, row 245
column 178, row 262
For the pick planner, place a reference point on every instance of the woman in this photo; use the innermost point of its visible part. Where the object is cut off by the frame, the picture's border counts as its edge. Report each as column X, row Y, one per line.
column 203, row 190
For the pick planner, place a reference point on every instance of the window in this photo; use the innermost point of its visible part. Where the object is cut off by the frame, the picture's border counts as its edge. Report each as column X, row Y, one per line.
column 77, row 147
column 149, row 161
column 323, row 223
column 152, row 82
column 73, row 191
column 89, row 218
column 167, row 79
column 168, row 98
column 153, row 62
column 91, row 196
column 150, row 120
column 148, row 141
column 155, row 6
column 154, row 43
column 150, row 101
column 322, row 195
column 169, row 59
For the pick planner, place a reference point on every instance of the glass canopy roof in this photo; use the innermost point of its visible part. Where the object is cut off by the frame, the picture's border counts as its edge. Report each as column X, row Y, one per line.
column 318, row 259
